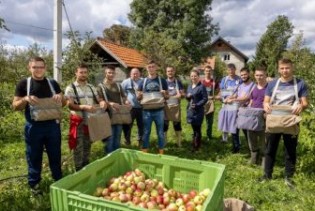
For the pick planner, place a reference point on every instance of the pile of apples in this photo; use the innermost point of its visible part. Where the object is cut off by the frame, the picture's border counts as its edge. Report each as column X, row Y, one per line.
column 135, row 189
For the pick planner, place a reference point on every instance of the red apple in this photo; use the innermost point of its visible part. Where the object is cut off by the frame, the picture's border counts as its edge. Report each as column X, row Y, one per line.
column 193, row 193
column 151, row 205
column 141, row 185
column 159, row 199
column 190, row 206
column 186, row 198
column 136, row 200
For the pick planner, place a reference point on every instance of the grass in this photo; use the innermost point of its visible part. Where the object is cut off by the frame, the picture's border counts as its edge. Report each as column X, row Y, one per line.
column 240, row 181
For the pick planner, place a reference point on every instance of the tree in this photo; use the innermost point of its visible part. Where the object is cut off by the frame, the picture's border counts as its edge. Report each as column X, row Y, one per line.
column 304, row 63
column 273, row 43
column 174, row 32
column 77, row 52
column 118, row 34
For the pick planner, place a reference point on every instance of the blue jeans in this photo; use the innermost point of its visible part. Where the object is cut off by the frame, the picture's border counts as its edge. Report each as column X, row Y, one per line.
column 158, row 117
column 113, row 142
column 37, row 137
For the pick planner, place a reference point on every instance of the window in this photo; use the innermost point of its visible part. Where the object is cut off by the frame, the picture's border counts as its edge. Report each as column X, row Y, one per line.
column 226, row 57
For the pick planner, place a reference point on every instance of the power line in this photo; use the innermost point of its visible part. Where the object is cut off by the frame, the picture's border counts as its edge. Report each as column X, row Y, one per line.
column 28, row 25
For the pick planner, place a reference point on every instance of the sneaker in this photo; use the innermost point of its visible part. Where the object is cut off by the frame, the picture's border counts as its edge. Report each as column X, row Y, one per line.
column 263, row 179
column 36, row 191
column 289, row 182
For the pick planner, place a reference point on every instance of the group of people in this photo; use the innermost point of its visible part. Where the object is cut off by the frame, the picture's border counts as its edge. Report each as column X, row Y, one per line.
column 155, row 99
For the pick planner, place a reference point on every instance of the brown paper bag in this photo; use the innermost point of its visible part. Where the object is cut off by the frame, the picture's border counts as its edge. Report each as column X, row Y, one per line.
column 46, row 109
column 99, row 125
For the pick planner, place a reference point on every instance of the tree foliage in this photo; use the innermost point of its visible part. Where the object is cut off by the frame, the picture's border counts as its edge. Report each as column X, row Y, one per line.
column 119, row 34
column 273, row 43
column 173, row 32
column 304, row 63
column 76, row 52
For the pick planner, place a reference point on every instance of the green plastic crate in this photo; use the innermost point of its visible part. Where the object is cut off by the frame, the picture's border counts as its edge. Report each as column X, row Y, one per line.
column 75, row 191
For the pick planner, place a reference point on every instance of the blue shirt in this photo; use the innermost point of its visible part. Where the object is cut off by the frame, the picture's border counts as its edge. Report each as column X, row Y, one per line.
column 153, row 85
column 130, row 87
column 285, row 94
column 229, row 84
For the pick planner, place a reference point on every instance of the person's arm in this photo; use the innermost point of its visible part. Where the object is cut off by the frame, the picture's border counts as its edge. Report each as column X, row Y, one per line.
column 267, row 106
column 301, row 106
column 204, row 98
column 19, row 103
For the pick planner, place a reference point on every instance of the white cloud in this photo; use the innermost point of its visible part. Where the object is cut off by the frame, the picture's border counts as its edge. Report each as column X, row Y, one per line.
column 242, row 22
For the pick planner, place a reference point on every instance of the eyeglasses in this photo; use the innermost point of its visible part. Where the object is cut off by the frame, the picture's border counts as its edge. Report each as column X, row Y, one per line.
column 38, row 67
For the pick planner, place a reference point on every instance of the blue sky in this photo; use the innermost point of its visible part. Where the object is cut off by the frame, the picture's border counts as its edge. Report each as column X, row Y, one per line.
column 242, row 22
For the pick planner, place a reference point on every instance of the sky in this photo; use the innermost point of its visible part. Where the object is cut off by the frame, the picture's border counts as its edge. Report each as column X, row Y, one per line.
column 241, row 22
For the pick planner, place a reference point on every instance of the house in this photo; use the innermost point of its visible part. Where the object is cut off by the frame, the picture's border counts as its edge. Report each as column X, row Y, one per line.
column 228, row 53
column 123, row 58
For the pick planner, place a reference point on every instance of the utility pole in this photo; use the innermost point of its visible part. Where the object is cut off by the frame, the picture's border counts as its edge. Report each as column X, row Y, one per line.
column 57, row 39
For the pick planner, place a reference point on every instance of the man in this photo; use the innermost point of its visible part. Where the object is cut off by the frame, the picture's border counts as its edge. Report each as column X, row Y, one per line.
column 283, row 92
column 210, row 84
column 39, row 135
column 176, row 92
column 82, row 100
column 228, row 113
column 130, row 86
column 256, row 139
column 241, row 97
column 114, row 96
column 156, row 87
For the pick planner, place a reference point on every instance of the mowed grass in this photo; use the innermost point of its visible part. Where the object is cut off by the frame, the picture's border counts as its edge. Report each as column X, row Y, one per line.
column 240, row 179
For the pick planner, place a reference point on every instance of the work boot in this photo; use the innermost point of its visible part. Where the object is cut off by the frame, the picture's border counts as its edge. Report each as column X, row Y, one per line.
column 179, row 138
column 144, row 150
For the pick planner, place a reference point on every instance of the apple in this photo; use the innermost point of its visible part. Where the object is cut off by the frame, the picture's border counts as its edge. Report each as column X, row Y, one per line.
column 205, row 192
column 193, row 193
column 186, row 198
column 161, row 206
column 198, row 207
column 113, row 187
column 159, row 199
column 98, row 192
column 138, row 172
column 190, row 206
column 122, row 186
column 136, row 200
column 141, row 185
column 123, row 198
column 172, row 207
column 138, row 192
column 145, row 197
column 198, row 200
column 160, row 190
column 151, row 205
column 166, row 200
column 179, row 202
column 182, row 208
column 154, row 193
column 143, row 205
column 137, row 179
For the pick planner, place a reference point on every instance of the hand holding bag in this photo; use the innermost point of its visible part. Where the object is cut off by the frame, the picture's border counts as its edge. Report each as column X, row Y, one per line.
column 281, row 119
column 120, row 115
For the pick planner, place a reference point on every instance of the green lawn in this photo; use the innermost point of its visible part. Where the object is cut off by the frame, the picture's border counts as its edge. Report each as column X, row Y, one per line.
column 240, row 181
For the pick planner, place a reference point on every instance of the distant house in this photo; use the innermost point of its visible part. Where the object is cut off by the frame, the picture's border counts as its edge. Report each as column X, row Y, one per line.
column 228, row 53
column 123, row 58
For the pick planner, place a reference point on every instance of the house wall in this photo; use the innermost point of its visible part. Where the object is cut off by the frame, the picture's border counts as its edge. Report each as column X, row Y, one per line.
column 229, row 56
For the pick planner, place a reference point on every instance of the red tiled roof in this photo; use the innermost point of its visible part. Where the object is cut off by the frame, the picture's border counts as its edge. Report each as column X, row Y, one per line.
column 128, row 57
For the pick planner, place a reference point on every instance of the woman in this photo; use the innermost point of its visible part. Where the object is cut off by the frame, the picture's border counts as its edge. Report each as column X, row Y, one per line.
column 197, row 97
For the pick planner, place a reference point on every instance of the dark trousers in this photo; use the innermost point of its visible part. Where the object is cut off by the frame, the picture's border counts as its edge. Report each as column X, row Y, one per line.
column 136, row 114
column 176, row 125
column 196, row 136
column 209, row 121
column 290, row 144
column 236, row 140
column 38, row 136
